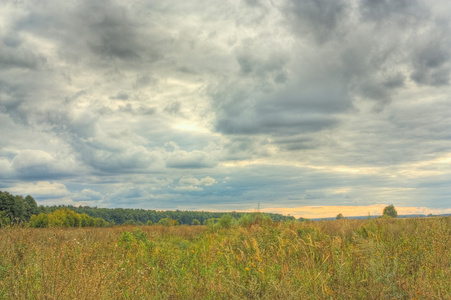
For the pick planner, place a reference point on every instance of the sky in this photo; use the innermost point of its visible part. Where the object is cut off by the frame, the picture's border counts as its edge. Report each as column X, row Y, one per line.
column 308, row 108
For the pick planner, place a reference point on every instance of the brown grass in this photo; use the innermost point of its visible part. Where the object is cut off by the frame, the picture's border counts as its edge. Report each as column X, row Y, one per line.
column 343, row 259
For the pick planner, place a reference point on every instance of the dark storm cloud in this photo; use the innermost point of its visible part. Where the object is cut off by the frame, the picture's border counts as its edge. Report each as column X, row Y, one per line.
column 296, row 143
column 428, row 36
column 92, row 32
column 266, row 100
column 241, row 147
column 318, row 18
column 113, row 33
column 431, row 62
column 403, row 12
column 11, row 57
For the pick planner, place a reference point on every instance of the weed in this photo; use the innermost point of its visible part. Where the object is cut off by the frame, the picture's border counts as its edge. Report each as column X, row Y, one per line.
column 255, row 259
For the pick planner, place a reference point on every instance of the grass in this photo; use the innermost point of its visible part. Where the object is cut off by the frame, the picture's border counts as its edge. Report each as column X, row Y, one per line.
column 342, row 259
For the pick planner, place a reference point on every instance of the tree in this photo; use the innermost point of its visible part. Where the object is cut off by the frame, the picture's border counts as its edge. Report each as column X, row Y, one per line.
column 195, row 222
column 19, row 209
column 390, row 211
column 13, row 207
column 31, row 208
column 339, row 216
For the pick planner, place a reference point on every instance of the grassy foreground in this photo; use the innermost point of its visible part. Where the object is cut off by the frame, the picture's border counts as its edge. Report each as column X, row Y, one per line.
column 342, row 259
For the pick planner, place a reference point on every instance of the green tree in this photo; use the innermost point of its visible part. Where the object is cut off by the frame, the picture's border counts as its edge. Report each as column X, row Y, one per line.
column 7, row 202
column 31, row 208
column 195, row 222
column 390, row 211
column 339, row 216
column 19, row 209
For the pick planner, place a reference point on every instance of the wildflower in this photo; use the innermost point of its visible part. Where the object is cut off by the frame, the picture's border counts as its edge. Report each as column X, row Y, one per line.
column 247, row 269
column 328, row 291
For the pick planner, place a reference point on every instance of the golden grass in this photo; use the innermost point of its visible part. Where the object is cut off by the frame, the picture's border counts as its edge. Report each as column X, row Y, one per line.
column 343, row 259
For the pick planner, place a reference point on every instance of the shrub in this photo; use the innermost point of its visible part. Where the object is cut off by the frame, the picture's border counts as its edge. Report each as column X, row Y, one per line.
column 226, row 221
column 65, row 218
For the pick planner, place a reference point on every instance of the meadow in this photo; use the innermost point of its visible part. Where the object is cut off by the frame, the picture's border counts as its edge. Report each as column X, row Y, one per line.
column 383, row 258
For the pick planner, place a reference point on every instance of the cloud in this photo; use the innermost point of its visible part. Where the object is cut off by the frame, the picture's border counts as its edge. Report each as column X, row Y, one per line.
column 189, row 180
column 87, row 195
column 189, row 160
column 320, row 19
column 35, row 160
column 190, row 183
column 38, row 164
column 154, row 104
column 40, row 189
column 188, row 188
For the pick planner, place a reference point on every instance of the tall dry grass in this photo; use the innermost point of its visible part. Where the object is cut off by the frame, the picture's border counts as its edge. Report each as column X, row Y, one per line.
column 343, row 259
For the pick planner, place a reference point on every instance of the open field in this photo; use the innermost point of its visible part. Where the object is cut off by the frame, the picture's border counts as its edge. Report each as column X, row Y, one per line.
column 342, row 259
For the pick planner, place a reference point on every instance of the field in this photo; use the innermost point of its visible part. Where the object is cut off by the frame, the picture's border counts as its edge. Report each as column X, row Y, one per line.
column 342, row 259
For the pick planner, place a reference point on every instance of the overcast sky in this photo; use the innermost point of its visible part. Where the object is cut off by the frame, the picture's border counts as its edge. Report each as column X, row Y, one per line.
column 308, row 108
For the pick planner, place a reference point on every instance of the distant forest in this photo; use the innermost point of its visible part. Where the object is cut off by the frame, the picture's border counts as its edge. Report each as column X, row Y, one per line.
column 19, row 209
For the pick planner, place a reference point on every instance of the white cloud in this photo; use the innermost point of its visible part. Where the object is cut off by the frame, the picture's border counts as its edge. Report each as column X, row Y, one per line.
column 189, row 180
column 40, row 189
column 188, row 188
column 190, row 183
column 32, row 159
column 207, row 181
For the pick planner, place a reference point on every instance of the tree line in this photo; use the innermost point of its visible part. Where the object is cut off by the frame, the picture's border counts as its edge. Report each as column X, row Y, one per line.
column 145, row 216
column 17, row 209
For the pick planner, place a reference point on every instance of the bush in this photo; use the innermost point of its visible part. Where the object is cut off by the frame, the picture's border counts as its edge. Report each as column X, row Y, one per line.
column 226, row 221
column 168, row 222
column 65, row 218
column 211, row 221
column 39, row 221
column 255, row 219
